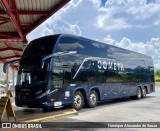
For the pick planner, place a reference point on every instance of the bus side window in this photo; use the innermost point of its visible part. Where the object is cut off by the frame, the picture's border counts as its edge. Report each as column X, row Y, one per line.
column 57, row 77
column 67, row 75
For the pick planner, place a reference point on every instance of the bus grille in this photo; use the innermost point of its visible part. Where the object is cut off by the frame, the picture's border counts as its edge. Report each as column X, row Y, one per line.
column 25, row 97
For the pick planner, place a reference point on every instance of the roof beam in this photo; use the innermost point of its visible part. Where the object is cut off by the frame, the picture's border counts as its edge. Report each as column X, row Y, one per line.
column 11, row 48
column 13, row 16
column 27, row 12
column 9, row 57
column 50, row 13
column 2, row 12
column 10, row 34
column 4, row 18
column 3, row 22
column 9, row 39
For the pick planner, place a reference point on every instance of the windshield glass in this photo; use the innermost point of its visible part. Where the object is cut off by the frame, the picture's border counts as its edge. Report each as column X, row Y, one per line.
column 38, row 49
column 30, row 71
column 29, row 75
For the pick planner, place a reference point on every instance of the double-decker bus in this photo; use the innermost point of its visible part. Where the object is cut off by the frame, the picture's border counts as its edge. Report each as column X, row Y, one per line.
column 61, row 70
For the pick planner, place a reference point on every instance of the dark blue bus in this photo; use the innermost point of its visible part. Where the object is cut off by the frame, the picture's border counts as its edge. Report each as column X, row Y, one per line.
column 61, row 70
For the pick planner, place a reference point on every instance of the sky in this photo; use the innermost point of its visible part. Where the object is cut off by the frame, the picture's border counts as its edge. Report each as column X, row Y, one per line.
column 130, row 24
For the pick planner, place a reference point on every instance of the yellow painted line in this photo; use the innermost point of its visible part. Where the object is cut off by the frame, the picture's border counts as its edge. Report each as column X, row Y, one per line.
column 54, row 117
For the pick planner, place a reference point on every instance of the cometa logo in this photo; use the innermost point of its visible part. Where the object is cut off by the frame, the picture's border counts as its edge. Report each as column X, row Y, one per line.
column 110, row 66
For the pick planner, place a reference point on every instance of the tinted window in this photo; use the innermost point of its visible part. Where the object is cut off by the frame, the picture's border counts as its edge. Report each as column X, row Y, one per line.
column 82, row 46
column 39, row 48
column 61, row 71
column 134, row 67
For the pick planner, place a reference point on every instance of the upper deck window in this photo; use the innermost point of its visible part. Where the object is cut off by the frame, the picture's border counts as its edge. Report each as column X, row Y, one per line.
column 39, row 48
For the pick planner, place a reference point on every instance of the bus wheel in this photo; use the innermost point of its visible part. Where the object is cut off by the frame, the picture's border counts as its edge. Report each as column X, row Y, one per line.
column 144, row 93
column 93, row 99
column 139, row 93
column 78, row 100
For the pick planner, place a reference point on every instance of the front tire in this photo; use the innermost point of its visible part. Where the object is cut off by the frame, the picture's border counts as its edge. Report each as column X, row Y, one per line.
column 93, row 99
column 78, row 100
column 139, row 93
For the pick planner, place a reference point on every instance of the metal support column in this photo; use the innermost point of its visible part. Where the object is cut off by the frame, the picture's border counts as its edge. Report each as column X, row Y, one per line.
column 7, row 83
column 13, row 77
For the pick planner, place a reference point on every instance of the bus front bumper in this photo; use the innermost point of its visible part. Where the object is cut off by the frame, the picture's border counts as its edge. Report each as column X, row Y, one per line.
column 35, row 104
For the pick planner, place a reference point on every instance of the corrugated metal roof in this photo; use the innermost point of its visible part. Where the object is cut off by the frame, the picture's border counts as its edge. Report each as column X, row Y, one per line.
column 19, row 18
column 8, row 27
column 6, row 53
column 2, row 45
column 1, row 7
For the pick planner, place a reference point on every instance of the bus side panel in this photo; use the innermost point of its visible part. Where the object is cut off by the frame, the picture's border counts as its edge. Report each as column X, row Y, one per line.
column 118, row 90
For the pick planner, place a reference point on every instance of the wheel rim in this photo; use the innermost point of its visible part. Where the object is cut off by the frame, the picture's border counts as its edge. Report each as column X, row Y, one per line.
column 144, row 93
column 92, row 99
column 77, row 101
column 139, row 93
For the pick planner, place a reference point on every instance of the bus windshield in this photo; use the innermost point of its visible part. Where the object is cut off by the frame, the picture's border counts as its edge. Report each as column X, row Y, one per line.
column 26, row 77
column 30, row 74
column 30, row 71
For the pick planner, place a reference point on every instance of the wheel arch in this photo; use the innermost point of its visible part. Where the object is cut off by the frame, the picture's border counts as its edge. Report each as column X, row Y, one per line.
column 145, row 87
column 140, row 86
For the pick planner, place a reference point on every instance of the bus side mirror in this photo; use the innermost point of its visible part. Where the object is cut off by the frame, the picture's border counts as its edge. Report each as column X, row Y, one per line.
column 42, row 64
column 44, row 59
column 5, row 66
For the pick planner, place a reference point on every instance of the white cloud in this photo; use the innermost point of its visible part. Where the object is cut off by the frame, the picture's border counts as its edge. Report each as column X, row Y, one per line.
column 136, row 20
column 157, row 22
column 107, row 21
column 96, row 3
column 144, row 12
column 65, row 27
column 125, row 2
column 78, row 15
column 151, row 48
column 122, row 14
column 71, row 5
column 109, row 24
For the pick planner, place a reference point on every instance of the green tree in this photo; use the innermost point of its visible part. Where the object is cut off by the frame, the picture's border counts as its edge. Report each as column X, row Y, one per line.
column 157, row 73
column 3, row 82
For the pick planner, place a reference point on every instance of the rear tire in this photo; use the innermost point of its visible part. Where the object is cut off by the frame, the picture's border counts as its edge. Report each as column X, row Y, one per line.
column 78, row 100
column 139, row 93
column 93, row 99
column 144, row 92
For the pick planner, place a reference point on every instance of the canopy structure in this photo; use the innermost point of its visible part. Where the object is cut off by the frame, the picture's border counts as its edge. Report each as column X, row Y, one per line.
column 17, row 19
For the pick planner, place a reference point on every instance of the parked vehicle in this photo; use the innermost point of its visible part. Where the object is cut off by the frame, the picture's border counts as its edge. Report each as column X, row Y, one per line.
column 61, row 70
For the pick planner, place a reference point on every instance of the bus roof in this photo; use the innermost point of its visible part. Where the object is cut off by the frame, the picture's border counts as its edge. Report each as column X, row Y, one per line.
column 60, row 36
